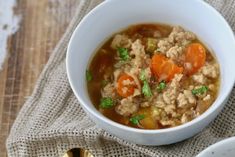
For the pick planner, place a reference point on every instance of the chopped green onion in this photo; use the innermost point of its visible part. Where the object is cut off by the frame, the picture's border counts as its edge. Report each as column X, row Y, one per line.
column 200, row 90
column 146, row 90
column 135, row 120
column 106, row 103
column 161, row 86
column 123, row 53
column 88, row 75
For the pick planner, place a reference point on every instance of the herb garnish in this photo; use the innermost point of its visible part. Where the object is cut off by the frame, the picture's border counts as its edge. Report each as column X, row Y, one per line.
column 106, row 103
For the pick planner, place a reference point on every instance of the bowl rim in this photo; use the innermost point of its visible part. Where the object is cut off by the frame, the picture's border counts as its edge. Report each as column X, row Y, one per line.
column 217, row 103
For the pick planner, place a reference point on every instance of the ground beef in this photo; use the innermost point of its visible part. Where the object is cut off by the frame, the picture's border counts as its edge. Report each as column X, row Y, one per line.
column 211, row 70
column 159, row 102
column 181, row 37
column 145, row 104
column 175, row 81
column 188, row 116
column 170, row 109
column 138, row 52
column 121, row 41
column 136, row 92
column 170, row 95
column 174, row 52
column 173, row 46
column 207, row 97
column 108, row 91
column 164, row 45
column 184, row 118
column 212, row 87
column 199, row 78
column 167, row 122
column 186, row 99
column 127, row 107
column 182, row 100
column 137, row 48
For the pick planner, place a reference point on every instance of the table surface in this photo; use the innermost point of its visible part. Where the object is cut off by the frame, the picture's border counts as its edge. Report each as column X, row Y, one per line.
column 42, row 25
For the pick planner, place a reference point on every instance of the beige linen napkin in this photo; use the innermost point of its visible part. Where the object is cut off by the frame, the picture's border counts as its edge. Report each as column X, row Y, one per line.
column 52, row 121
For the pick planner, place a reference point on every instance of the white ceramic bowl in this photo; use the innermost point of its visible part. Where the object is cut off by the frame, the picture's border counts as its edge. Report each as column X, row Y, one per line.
column 224, row 148
column 114, row 15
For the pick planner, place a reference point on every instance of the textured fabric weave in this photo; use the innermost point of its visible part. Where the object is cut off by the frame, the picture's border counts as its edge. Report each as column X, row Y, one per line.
column 52, row 121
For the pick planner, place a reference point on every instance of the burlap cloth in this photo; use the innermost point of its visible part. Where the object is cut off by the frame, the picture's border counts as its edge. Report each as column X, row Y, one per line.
column 52, row 121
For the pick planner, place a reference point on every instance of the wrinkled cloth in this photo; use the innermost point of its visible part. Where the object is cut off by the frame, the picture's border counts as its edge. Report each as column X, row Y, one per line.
column 52, row 120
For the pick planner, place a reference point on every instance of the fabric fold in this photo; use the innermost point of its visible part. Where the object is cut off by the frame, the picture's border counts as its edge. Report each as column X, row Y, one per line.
column 52, row 120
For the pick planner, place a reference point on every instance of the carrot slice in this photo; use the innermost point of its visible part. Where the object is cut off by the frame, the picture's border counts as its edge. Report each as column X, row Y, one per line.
column 126, row 85
column 157, row 61
column 164, row 68
column 176, row 70
column 168, row 71
column 195, row 58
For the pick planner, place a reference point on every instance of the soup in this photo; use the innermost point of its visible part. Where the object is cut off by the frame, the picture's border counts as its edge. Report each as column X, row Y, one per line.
column 153, row 76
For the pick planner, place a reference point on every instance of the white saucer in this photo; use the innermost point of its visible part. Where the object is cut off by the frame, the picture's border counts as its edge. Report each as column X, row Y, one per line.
column 224, row 148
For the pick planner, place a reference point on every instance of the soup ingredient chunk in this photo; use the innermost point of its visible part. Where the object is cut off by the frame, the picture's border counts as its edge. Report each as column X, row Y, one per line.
column 123, row 54
column 164, row 68
column 146, row 90
column 195, row 58
column 135, row 120
column 127, row 107
column 211, row 70
column 126, row 85
column 161, row 86
column 121, row 41
column 106, row 103
column 200, row 90
column 151, row 45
